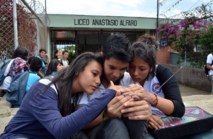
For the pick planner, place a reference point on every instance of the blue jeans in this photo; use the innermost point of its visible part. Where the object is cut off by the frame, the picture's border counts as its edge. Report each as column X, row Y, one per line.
column 109, row 129
column 137, row 128
column 119, row 128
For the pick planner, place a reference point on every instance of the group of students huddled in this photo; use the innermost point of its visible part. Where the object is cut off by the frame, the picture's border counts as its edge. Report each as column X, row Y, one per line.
column 118, row 93
column 22, row 72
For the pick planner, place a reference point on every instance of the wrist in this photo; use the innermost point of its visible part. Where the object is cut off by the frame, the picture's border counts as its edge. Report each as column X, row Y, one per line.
column 104, row 116
column 154, row 100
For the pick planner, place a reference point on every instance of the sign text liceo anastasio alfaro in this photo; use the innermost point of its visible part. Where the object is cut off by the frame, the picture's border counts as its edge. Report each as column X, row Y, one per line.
column 105, row 22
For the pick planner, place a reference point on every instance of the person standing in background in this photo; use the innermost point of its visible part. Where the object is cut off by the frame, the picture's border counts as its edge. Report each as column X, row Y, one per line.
column 209, row 63
column 58, row 54
column 64, row 60
column 42, row 56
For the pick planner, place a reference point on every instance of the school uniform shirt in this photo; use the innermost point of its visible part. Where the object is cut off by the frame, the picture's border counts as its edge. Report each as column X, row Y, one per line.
column 151, row 85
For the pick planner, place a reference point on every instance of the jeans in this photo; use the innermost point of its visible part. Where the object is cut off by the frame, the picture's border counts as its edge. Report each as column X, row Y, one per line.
column 79, row 135
column 119, row 128
column 109, row 129
column 137, row 128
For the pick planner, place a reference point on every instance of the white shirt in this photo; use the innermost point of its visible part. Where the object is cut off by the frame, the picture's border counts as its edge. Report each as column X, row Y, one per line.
column 65, row 62
column 209, row 61
column 151, row 85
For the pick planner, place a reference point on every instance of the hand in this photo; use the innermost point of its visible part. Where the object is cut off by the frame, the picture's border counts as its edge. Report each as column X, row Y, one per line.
column 138, row 92
column 119, row 89
column 115, row 105
column 136, row 110
column 155, row 122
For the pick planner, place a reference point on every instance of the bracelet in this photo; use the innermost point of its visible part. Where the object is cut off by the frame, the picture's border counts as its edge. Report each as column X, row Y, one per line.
column 155, row 102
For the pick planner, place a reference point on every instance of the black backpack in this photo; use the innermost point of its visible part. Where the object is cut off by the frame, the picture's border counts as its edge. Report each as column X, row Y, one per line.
column 206, row 69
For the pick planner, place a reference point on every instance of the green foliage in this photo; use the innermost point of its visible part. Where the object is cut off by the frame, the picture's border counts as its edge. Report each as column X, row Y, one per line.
column 206, row 40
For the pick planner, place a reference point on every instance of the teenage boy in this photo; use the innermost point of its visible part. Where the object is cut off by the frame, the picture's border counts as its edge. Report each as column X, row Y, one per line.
column 123, row 118
column 64, row 60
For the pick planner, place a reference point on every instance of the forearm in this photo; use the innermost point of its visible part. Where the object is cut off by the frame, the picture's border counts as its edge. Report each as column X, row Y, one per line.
column 163, row 104
column 95, row 122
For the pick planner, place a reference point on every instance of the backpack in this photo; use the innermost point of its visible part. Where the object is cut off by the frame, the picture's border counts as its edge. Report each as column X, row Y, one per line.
column 17, row 89
column 206, row 70
column 3, row 67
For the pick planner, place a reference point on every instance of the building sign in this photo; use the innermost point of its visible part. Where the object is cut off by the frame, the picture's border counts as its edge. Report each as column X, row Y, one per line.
column 101, row 22
column 105, row 22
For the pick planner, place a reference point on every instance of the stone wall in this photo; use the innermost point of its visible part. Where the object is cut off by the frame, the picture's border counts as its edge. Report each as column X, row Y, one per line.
column 192, row 77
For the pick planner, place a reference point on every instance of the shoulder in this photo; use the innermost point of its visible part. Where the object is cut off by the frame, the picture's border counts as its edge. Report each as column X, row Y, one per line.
column 161, row 69
column 210, row 55
column 163, row 73
column 46, row 82
column 34, row 76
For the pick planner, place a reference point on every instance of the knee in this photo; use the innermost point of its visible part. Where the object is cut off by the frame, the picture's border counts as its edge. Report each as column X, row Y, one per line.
column 115, row 123
column 115, row 128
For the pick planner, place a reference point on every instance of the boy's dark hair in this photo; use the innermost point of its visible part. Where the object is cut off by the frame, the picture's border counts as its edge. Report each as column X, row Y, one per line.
column 35, row 63
column 42, row 50
column 65, row 51
column 21, row 52
column 117, row 46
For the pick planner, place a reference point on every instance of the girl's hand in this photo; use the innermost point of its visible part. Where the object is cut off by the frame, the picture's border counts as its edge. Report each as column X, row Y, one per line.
column 155, row 122
column 136, row 110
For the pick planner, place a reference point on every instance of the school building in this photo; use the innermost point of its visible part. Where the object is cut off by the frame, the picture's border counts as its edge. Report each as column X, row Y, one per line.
column 86, row 33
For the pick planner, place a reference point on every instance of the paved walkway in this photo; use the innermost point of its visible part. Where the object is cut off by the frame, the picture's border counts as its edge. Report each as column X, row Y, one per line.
column 191, row 97
column 188, row 91
column 195, row 97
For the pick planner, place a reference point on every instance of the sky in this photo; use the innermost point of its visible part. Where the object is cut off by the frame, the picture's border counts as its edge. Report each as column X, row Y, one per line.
column 131, row 8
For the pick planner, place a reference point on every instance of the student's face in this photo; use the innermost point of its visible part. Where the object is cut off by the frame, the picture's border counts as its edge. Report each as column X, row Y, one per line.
column 59, row 54
column 139, row 70
column 43, row 54
column 59, row 67
column 89, row 78
column 114, row 69
column 65, row 55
